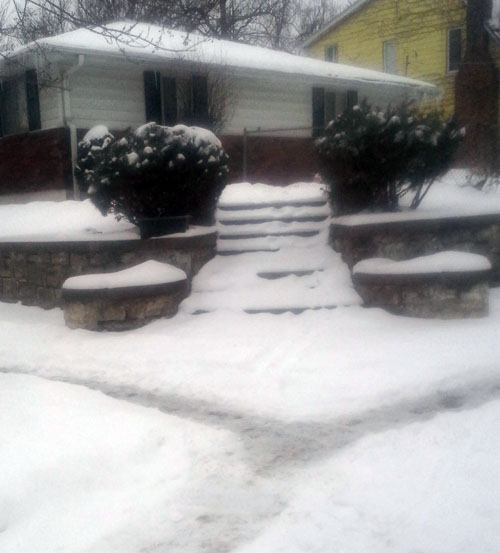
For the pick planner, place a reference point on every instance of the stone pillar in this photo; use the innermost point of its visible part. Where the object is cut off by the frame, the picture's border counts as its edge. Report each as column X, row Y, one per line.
column 476, row 91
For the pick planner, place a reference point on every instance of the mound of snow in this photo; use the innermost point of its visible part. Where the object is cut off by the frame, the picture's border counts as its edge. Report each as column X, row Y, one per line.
column 442, row 262
column 148, row 273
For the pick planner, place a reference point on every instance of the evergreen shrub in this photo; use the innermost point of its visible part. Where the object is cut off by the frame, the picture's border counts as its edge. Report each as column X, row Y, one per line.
column 371, row 158
column 155, row 171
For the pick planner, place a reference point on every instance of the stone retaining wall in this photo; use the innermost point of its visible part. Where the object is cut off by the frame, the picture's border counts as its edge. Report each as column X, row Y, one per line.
column 444, row 296
column 33, row 272
column 122, row 308
column 406, row 239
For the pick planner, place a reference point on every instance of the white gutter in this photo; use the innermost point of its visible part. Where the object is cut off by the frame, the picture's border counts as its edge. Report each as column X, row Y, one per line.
column 68, row 120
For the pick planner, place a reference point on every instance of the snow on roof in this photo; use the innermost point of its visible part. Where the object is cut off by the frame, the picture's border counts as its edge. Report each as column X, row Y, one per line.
column 143, row 41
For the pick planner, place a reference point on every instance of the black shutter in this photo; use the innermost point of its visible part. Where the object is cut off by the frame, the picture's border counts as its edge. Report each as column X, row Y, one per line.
column 318, row 110
column 152, row 96
column 200, row 99
column 454, row 49
column 352, row 98
column 33, row 101
column 169, row 101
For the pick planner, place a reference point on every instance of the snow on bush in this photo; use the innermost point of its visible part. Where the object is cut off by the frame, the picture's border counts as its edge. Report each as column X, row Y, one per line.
column 155, row 171
column 371, row 158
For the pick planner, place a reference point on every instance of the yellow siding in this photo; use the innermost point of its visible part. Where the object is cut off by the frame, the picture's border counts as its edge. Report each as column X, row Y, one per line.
column 420, row 29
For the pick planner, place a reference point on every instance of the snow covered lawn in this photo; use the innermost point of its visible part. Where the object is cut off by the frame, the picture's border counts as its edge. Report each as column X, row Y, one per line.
column 347, row 430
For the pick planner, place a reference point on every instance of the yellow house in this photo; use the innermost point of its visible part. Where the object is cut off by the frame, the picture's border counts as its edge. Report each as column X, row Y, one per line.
column 422, row 39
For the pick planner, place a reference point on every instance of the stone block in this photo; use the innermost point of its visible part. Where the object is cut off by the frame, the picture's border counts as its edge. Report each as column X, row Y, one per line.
column 79, row 262
column 9, row 289
column 19, row 268
column 38, row 258
column 59, row 258
column 81, row 314
column 113, row 311
column 35, row 273
column 55, row 275
column 46, row 297
column 27, row 293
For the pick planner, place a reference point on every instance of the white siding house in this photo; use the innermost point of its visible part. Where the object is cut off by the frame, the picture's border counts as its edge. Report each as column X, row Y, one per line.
column 87, row 78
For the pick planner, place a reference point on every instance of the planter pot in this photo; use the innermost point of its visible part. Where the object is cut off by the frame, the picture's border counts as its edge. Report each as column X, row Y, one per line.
column 160, row 226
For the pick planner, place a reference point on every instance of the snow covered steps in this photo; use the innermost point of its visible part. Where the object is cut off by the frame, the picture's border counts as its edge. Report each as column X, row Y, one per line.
column 273, row 254
column 264, row 218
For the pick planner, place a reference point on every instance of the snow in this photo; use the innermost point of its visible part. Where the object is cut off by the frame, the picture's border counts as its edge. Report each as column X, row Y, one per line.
column 98, row 132
column 346, row 430
column 243, row 193
column 232, row 283
column 48, row 221
column 495, row 14
column 148, row 273
column 449, row 196
column 426, row 487
column 142, row 41
column 82, row 472
column 442, row 262
column 60, row 221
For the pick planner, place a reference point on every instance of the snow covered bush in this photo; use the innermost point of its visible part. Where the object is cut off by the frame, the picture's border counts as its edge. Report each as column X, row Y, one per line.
column 157, row 171
column 92, row 151
column 370, row 158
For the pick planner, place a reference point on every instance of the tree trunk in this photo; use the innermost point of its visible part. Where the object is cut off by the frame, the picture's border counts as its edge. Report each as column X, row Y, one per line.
column 476, row 92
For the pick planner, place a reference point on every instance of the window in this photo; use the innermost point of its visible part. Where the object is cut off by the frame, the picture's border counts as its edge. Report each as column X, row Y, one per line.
column 352, row 98
column 12, row 106
column 199, row 87
column 33, row 101
column 152, row 96
column 390, row 55
column 170, row 112
column 331, row 53
column 163, row 105
column 454, row 49
column 324, row 109
column 330, row 106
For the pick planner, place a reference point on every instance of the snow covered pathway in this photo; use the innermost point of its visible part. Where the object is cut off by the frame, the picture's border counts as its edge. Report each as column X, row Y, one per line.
column 270, row 444
column 273, row 254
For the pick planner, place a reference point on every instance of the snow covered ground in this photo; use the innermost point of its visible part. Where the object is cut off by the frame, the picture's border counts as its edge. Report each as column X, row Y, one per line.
column 347, row 430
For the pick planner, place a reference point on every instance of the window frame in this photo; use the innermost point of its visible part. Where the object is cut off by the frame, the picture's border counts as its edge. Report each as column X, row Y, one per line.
column 385, row 64
column 334, row 49
column 448, row 49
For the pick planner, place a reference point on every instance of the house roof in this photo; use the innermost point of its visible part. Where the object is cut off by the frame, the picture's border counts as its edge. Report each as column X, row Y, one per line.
column 353, row 8
column 145, row 42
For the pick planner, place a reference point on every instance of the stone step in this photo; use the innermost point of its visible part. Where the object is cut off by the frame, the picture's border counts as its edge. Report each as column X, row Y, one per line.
column 276, row 205
column 242, row 236
column 275, row 275
column 247, row 250
column 293, row 310
column 270, row 243
column 271, row 214
column 272, row 228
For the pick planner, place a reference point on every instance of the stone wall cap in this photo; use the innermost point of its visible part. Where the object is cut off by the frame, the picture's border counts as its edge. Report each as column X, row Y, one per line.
column 149, row 273
column 450, row 264
column 409, row 217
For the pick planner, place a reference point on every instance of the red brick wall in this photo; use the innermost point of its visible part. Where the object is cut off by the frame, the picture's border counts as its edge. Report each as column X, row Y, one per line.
column 35, row 162
column 271, row 159
column 41, row 160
